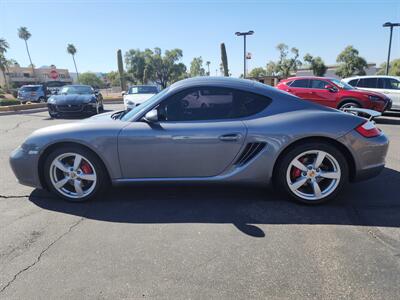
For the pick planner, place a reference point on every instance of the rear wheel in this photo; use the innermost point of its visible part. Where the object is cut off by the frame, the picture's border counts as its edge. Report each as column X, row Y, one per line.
column 312, row 173
column 42, row 99
column 74, row 173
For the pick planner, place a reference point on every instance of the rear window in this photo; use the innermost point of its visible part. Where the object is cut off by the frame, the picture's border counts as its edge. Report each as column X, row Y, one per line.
column 368, row 83
column 300, row 83
column 143, row 90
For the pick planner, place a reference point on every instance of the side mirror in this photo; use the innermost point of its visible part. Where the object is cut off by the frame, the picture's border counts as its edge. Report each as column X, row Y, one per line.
column 123, row 93
column 331, row 88
column 151, row 116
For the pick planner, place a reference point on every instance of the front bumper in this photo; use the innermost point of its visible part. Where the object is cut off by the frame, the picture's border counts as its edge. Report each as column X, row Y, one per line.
column 369, row 154
column 25, row 167
column 72, row 109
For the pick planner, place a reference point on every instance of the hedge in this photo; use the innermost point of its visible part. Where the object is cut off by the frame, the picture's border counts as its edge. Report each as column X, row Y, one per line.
column 5, row 102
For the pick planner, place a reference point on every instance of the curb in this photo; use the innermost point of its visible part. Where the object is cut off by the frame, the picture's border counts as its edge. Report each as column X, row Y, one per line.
column 19, row 107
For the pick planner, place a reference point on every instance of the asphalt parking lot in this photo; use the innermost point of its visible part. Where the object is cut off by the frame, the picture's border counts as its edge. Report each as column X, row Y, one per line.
column 197, row 242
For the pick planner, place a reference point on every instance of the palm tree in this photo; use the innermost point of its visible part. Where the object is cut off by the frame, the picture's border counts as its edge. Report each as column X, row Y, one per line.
column 72, row 50
column 3, row 61
column 3, row 45
column 24, row 34
column 208, row 67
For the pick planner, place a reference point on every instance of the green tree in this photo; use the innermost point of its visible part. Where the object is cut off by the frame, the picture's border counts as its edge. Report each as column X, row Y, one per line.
column 165, row 69
column 258, row 72
column 286, row 64
column 4, row 46
column 350, row 63
column 72, row 50
column 92, row 79
column 208, row 67
column 135, row 61
column 271, row 68
column 196, row 67
column 224, row 60
column 394, row 68
column 121, row 70
column 316, row 63
column 24, row 34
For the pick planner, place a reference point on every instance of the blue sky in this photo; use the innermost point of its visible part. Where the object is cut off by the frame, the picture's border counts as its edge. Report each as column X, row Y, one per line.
column 99, row 28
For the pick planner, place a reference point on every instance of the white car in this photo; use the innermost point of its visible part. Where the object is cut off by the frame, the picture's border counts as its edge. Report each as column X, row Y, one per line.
column 388, row 85
column 138, row 94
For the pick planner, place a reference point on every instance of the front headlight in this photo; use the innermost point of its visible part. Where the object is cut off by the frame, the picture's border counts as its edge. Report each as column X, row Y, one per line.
column 374, row 98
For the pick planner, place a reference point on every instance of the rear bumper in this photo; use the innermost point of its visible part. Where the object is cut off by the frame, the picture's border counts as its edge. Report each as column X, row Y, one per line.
column 369, row 154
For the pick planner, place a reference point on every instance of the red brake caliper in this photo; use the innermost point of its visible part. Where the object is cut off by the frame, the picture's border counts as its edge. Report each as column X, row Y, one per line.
column 86, row 168
column 295, row 171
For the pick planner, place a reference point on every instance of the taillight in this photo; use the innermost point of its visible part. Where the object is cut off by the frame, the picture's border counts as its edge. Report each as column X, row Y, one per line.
column 368, row 129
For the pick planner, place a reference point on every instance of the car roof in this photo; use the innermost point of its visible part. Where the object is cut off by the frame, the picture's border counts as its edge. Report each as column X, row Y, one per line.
column 77, row 85
column 371, row 76
column 309, row 77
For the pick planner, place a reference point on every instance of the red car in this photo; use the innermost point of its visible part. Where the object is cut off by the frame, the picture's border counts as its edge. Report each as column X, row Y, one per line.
column 334, row 93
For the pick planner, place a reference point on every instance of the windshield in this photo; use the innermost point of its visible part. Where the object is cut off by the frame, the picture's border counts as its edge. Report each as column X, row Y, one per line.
column 76, row 89
column 342, row 84
column 144, row 105
column 143, row 89
column 30, row 88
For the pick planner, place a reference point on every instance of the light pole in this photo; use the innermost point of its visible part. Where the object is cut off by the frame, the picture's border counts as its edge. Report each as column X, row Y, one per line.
column 391, row 25
column 244, row 34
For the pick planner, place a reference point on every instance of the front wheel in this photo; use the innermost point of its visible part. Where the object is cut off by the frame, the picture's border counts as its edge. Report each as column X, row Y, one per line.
column 74, row 173
column 349, row 105
column 312, row 173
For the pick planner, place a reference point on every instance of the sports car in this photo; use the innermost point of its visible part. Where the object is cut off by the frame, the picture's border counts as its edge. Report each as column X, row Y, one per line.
column 75, row 100
column 248, row 133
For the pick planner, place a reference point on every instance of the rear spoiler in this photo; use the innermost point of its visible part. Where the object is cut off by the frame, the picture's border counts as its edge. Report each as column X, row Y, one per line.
column 363, row 112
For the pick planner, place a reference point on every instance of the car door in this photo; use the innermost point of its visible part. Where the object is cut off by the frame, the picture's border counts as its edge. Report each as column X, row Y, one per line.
column 299, row 87
column 369, row 84
column 189, row 140
column 391, row 88
column 321, row 95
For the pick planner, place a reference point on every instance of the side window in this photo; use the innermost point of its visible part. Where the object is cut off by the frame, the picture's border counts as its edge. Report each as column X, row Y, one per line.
column 368, row 83
column 392, row 84
column 318, row 84
column 198, row 104
column 247, row 104
column 353, row 82
column 300, row 83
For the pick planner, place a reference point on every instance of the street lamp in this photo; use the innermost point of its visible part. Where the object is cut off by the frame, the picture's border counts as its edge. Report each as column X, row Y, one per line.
column 391, row 25
column 244, row 34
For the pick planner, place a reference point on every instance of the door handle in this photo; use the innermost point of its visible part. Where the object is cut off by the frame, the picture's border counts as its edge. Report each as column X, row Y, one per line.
column 229, row 137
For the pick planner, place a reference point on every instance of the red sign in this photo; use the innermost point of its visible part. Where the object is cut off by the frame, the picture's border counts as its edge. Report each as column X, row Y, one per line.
column 53, row 74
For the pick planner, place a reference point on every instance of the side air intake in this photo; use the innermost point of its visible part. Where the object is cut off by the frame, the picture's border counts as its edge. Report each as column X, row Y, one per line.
column 250, row 151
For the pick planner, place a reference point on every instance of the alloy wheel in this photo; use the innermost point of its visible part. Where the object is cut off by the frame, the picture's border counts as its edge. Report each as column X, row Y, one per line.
column 313, row 175
column 73, row 175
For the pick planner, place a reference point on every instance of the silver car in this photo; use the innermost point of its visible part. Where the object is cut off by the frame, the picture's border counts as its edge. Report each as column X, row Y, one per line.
column 248, row 133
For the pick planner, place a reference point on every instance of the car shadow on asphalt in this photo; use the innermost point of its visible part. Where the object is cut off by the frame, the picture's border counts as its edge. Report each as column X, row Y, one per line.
column 369, row 203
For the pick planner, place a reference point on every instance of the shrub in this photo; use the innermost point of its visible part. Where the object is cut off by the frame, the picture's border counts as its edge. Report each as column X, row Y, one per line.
column 6, row 102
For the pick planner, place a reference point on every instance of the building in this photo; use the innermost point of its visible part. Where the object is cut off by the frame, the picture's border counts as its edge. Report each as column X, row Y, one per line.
column 331, row 71
column 269, row 80
column 18, row 76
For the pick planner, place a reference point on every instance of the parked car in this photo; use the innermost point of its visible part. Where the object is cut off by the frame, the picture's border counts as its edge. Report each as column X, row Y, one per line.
column 32, row 93
column 255, row 135
column 75, row 100
column 388, row 85
column 334, row 93
column 137, row 94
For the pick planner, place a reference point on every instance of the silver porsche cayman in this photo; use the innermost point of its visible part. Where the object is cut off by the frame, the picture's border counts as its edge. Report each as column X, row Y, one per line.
column 208, row 130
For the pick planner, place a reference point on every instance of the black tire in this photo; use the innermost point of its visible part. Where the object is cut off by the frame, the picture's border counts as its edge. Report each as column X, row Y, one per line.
column 42, row 100
column 53, row 115
column 280, row 180
column 349, row 103
column 101, row 173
